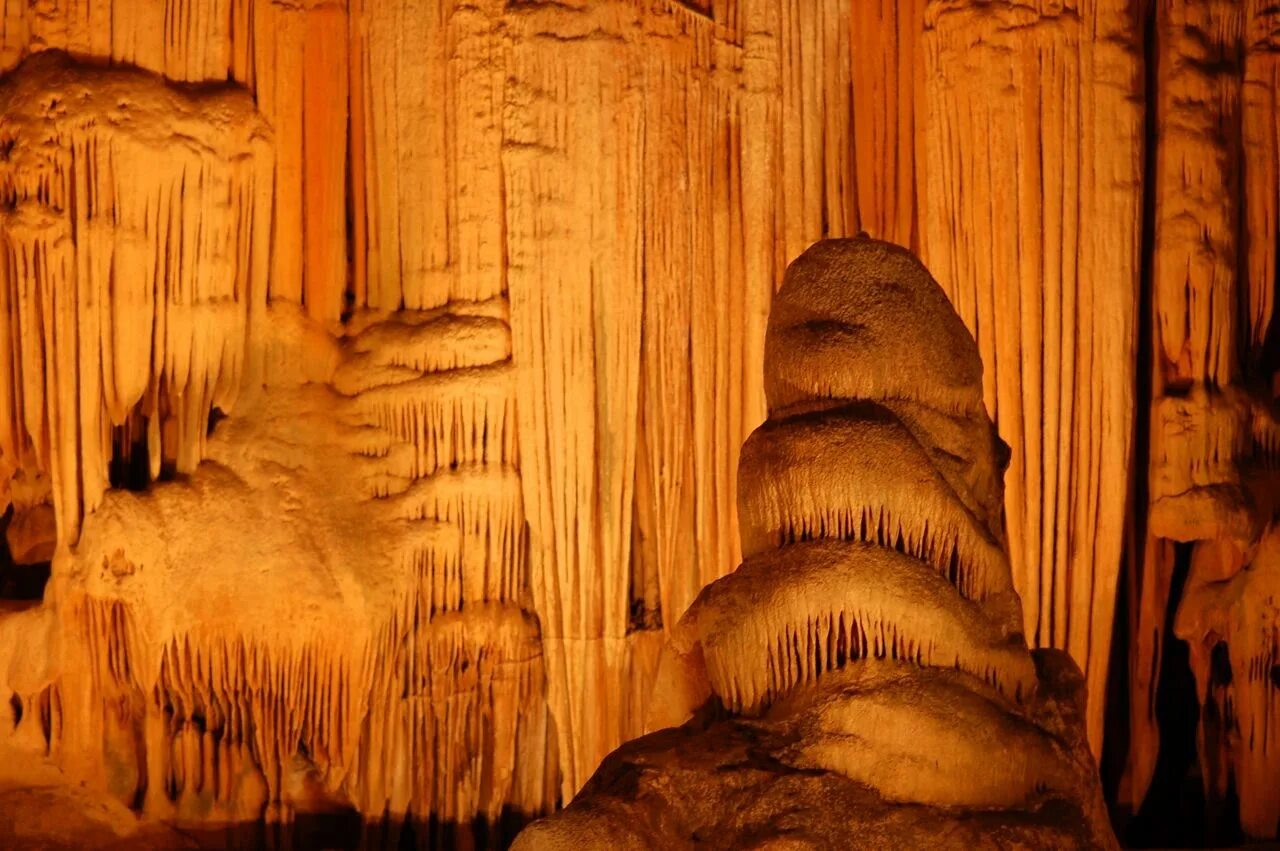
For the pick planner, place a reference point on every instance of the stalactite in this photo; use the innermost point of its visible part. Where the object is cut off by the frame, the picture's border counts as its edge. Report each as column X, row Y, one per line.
column 1196, row 180
column 1260, row 159
column 1014, row 229
column 135, row 217
column 1211, row 432
column 579, row 376
column 589, row 260
column 446, row 735
column 393, row 669
column 637, row 173
column 887, row 83
column 421, row 393
column 491, row 188
column 292, row 56
column 428, row 133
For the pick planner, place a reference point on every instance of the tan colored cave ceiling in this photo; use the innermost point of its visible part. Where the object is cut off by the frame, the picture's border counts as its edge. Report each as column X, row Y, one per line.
column 524, row 253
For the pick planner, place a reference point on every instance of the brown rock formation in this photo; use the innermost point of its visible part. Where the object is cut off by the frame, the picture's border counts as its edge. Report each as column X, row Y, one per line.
column 868, row 652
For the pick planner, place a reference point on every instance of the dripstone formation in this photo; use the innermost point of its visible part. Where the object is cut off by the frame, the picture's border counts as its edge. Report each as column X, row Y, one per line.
column 861, row 679
column 456, row 311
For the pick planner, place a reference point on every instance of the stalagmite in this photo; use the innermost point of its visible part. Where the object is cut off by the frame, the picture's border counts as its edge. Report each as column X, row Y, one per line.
column 871, row 683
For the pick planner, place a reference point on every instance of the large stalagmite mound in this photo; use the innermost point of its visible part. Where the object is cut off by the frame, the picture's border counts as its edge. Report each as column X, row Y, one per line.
column 862, row 678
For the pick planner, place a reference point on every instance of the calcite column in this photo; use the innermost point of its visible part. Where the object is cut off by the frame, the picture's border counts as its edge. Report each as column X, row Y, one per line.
column 640, row 253
column 1213, row 422
column 1030, row 212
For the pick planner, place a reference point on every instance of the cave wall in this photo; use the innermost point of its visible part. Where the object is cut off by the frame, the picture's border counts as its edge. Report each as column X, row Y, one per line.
column 1094, row 184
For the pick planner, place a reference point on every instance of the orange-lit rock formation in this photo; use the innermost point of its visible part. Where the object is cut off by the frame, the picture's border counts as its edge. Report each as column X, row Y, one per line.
column 318, row 603
column 1211, row 485
column 541, row 239
column 135, row 233
column 1018, row 231
column 868, row 652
